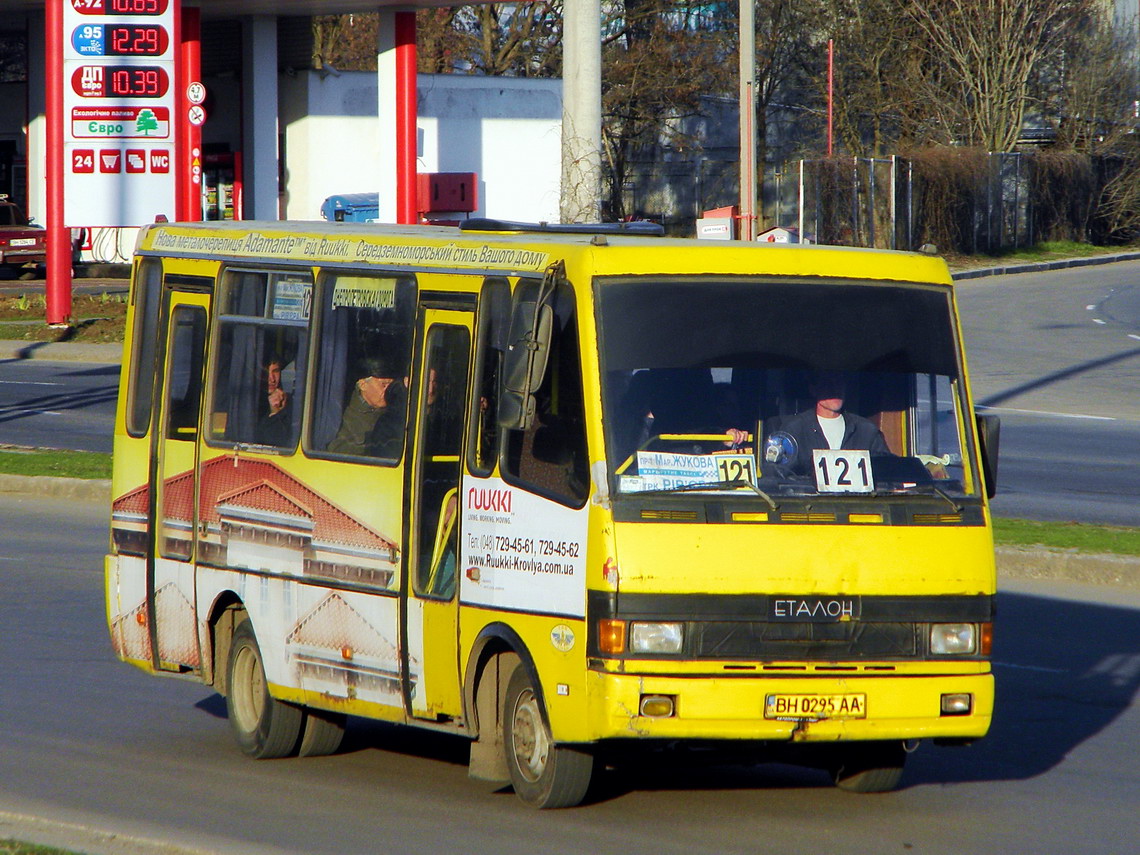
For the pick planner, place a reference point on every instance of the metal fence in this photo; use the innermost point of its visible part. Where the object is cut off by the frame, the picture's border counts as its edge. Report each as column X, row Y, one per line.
column 882, row 202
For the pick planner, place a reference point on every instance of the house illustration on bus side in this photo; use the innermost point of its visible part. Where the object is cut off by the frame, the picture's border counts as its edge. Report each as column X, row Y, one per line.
column 252, row 515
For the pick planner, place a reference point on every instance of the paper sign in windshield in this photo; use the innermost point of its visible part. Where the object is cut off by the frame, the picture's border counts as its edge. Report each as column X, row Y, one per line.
column 659, row 470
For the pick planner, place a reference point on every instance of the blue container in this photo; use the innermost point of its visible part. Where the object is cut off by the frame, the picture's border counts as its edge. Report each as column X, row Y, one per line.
column 351, row 207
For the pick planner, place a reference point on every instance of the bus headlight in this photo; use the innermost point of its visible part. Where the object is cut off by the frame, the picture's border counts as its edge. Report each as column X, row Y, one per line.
column 656, row 637
column 952, row 639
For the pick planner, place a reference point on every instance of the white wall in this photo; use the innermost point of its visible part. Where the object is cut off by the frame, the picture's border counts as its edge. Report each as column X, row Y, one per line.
column 507, row 130
column 331, row 138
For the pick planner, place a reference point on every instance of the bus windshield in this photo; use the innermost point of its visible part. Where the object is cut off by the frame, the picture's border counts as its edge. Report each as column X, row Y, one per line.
column 782, row 387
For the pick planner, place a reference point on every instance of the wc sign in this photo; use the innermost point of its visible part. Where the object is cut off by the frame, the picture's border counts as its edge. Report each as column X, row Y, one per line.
column 135, row 161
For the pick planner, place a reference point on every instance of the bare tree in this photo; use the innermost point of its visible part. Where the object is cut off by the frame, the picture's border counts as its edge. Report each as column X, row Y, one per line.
column 990, row 49
column 345, row 42
column 500, row 39
column 659, row 57
column 885, row 93
column 1086, row 94
column 786, row 34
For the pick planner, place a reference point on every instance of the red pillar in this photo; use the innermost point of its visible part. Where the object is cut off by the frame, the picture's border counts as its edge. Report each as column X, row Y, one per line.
column 406, row 118
column 58, row 282
column 188, row 136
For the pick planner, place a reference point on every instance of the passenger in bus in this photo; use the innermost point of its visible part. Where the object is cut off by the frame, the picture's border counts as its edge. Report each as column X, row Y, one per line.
column 373, row 419
column 275, row 422
column 826, row 425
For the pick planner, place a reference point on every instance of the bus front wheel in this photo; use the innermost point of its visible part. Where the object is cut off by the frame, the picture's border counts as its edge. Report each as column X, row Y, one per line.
column 264, row 727
column 869, row 767
column 544, row 775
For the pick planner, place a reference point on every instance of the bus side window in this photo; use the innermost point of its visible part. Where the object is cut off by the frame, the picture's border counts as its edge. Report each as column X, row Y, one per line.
column 551, row 456
column 491, row 332
column 185, row 384
column 362, row 358
column 144, row 340
column 259, row 365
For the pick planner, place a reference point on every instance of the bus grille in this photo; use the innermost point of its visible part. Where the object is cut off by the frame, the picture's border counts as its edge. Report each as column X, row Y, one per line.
column 827, row 641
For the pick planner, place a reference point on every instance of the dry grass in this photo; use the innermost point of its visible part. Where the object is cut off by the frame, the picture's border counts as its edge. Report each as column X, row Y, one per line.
column 97, row 319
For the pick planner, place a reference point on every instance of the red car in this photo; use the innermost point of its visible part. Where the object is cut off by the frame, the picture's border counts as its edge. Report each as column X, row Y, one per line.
column 21, row 243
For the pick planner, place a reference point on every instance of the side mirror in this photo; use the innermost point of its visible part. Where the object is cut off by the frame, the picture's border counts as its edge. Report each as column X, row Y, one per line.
column 989, row 436
column 532, row 325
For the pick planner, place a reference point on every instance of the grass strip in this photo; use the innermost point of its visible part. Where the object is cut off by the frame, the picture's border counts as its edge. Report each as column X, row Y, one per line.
column 46, row 461
column 1081, row 537
column 18, row 847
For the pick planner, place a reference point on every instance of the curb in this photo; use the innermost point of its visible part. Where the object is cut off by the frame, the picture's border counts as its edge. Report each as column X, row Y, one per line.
column 1042, row 266
column 91, row 490
column 62, row 351
column 1013, row 562
column 83, row 837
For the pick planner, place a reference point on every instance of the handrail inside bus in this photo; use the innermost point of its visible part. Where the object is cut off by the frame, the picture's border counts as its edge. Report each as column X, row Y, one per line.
column 673, row 437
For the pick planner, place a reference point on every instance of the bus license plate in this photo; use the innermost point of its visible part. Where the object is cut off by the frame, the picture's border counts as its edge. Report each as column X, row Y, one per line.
column 815, row 706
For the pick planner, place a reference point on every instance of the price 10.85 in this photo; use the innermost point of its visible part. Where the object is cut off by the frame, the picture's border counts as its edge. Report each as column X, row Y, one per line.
column 120, row 7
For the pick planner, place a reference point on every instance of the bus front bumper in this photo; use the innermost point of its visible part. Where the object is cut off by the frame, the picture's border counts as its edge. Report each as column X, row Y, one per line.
column 808, row 709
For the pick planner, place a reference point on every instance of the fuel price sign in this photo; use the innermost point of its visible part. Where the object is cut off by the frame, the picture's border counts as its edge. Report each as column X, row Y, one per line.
column 120, row 40
column 120, row 7
column 119, row 58
column 120, row 81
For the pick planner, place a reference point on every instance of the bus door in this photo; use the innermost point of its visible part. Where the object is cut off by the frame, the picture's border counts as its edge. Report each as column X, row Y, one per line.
column 174, row 456
column 431, row 604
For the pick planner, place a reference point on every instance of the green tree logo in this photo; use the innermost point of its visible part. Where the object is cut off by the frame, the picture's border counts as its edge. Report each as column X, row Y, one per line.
column 146, row 122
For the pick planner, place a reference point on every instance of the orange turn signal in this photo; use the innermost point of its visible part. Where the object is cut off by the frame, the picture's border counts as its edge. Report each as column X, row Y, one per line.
column 987, row 639
column 611, row 636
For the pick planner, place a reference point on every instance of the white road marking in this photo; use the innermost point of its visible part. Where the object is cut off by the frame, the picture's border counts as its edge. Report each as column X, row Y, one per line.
column 16, row 411
column 1047, row 413
column 1032, row 668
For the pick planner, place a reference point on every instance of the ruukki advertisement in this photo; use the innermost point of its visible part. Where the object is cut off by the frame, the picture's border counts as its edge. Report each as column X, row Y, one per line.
column 521, row 551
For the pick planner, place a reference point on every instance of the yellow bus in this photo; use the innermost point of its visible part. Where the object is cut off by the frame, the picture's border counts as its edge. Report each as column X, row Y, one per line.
column 560, row 490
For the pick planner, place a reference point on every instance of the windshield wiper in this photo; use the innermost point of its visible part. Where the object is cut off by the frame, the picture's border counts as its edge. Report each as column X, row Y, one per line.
column 926, row 488
column 957, row 506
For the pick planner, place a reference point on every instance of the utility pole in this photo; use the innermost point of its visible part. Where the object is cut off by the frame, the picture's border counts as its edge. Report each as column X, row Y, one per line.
column 581, row 111
column 747, row 120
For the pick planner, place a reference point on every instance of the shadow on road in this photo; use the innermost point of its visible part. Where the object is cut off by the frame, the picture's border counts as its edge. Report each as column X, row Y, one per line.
column 33, row 404
column 1056, row 377
column 1065, row 671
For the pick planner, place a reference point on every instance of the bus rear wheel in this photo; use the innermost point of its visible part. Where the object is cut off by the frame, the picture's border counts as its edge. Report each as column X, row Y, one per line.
column 869, row 767
column 264, row 727
column 322, row 733
column 544, row 775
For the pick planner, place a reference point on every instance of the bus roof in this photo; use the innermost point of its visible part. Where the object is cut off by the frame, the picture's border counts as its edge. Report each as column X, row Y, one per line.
column 604, row 252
